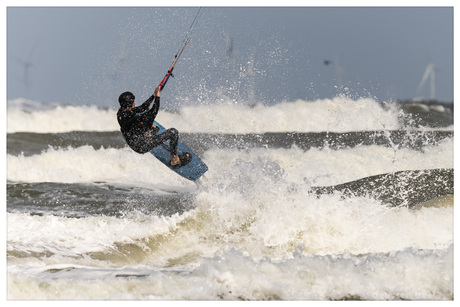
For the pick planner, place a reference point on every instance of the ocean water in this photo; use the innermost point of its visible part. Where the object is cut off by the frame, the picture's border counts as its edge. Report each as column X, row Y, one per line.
column 89, row 219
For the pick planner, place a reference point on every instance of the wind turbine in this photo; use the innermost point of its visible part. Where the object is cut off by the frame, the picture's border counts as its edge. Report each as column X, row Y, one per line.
column 250, row 74
column 338, row 70
column 121, row 65
column 231, row 53
column 429, row 73
column 27, row 65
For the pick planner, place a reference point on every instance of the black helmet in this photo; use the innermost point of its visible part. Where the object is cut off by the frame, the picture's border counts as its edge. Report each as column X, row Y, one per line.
column 126, row 99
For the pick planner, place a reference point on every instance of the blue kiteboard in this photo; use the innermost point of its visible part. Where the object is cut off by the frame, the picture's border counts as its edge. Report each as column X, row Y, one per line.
column 192, row 171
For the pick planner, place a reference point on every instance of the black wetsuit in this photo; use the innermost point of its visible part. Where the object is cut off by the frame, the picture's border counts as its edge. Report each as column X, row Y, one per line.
column 136, row 126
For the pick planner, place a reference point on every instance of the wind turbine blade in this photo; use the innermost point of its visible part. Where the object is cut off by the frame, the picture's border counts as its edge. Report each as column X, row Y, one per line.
column 32, row 51
column 424, row 78
column 432, row 84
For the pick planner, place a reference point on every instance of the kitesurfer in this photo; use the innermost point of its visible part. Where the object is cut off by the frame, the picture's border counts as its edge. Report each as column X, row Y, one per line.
column 136, row 125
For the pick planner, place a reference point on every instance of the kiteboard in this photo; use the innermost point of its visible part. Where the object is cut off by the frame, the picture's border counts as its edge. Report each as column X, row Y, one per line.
column 192, row 171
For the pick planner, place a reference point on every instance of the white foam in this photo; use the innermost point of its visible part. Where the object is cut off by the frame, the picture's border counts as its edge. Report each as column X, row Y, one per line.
column 231, row 274
column 336, row 115
column 86, row 164
column 254, row 205
column 60, row 118
column 325, row 166
column 314, row 167
column 73, row 237
column 252, row 213
column 260, row 187
column 239, row 242
column 409, row 274
column 262, row 222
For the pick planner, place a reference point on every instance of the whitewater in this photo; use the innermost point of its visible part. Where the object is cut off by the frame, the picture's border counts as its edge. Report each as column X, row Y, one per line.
column 220, row 117
column 89, row 219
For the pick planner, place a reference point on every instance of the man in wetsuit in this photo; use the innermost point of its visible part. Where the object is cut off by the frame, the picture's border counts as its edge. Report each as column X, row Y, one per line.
column 136, row 125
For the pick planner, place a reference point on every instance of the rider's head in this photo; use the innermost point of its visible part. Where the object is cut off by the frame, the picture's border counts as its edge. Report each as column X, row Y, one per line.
column 126, row 99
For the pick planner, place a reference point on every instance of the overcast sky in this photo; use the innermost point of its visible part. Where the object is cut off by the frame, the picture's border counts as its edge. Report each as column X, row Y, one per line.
column 89, row 55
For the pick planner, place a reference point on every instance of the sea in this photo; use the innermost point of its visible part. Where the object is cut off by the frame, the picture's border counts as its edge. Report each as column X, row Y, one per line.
column 90, row 219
